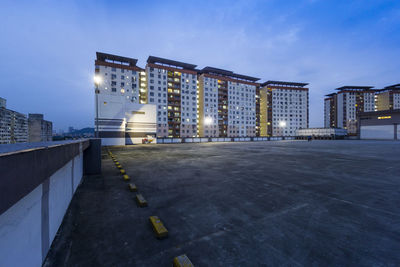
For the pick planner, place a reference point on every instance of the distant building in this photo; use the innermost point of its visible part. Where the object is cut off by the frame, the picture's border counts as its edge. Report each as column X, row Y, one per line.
column 330, row 111
column 388, row 98
column 380, row 125
column 191, row 102
column 227, row 103
column 172, row 87
column 283, row 108
column 323, row 133
column 40, row 130
column 342, row 108
column 13, row 125
column 3, row 103
column 120, row 88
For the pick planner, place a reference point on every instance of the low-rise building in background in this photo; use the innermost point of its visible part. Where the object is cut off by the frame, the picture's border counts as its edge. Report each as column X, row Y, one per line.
column 39, row 129
column 322, row 133
column 13, row 125
column 383, row 125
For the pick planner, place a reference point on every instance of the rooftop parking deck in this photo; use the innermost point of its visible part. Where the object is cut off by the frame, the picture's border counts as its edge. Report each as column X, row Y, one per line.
column 290, row 203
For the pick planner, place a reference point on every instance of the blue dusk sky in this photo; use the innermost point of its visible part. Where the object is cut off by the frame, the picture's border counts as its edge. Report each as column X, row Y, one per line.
column 47, row 48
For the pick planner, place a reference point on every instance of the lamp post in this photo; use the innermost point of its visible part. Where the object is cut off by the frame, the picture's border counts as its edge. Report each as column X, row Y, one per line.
column 97, row 80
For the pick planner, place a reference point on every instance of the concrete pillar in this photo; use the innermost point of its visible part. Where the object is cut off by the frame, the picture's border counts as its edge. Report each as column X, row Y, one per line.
column 92, row 157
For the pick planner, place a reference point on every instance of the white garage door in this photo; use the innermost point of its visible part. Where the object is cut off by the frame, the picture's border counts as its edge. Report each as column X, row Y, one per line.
column 377, row 132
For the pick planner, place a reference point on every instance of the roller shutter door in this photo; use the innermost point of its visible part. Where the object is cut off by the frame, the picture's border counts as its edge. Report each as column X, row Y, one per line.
column 377, row 132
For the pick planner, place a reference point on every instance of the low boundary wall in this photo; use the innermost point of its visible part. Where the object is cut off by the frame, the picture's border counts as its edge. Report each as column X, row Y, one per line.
column 36, row 187
column 221, row 139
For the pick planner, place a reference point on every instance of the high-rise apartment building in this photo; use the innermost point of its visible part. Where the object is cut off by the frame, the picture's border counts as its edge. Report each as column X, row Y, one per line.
column 330, row 114
column 388, row 98
column 39, row 129
column 343, row 107
column 172, row 87
column 121, row 117
column 191, row 102
column 283, row 108
column 227, row 103
column 13, row 125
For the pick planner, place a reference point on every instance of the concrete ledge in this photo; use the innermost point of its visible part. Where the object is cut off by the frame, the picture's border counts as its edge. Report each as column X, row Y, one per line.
column 24, row 170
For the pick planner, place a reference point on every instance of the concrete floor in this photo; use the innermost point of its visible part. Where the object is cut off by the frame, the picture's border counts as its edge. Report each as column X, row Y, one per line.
column 291, row 203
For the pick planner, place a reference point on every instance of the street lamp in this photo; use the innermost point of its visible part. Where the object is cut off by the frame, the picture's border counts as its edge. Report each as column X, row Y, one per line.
column 97, row 80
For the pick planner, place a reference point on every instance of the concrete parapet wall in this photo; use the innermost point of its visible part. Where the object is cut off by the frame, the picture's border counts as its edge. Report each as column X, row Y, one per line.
column 220, row 139
column 37, row 186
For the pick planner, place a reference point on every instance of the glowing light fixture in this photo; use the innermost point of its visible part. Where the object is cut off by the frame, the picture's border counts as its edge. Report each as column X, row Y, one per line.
column 97, row 79
column 282, row 124
column 208, row 120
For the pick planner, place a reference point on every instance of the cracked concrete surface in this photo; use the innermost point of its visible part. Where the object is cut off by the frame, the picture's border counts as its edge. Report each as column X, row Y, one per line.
column 272, row 203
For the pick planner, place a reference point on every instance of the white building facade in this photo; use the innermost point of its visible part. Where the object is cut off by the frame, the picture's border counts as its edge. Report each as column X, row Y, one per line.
column 120, row 117
column 172, row 87
column 226, row 104
column 352, row 100
column 286, row 108
column 176, row 100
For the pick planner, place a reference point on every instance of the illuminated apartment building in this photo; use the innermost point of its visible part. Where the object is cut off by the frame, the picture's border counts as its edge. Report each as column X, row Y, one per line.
column 388, row 98
column 121, row 115
column 344, row 106
column 227, row 104
column 188, row 102
column 283, row 108
column 330, row 114
column 172, row 87
column 13, row 125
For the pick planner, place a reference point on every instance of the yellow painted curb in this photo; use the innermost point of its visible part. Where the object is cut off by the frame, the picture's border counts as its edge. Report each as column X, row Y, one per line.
column 141, row 201
column 182, row 261
column 158, row 227
column 132, row 187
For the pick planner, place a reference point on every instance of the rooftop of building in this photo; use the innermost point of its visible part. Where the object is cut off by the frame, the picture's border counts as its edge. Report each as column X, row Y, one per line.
column 394, row 87
column 223, row 210
column 354, row 88
column 170, row 63
column 284, row 84
column 332, row 94
column 116, row 59
column 381, row 112
column 228, row 73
